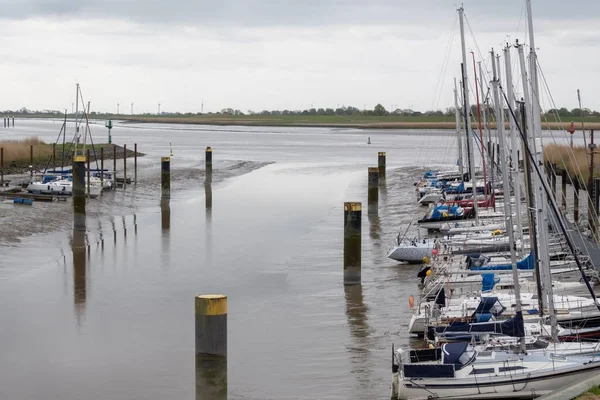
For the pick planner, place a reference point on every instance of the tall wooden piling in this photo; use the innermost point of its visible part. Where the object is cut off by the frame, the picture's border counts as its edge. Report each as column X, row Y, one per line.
column 5, row 122
column 553, row 180
column 135, row 163
column 13, row 118
column 31, row 155
column 102, row 166
column 211, row 346
column 497, row 153
column 352, row 243
column 165, row 177
column 2, row 166
column 381, row 165
column 88, row 173
column 124, row 165
column 563, row 184
column 79, row 193
column 208, row 167
column 373, row 191
column 576, row 201
column 597, row 195
column 54, row 156
column 115, row 160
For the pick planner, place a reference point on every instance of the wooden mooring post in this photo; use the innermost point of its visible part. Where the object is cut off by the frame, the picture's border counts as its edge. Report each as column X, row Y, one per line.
column 2, row 166
column 135, row 163
column 381, row 165
column 124, row 165
column 208, row 166
column 563, row 184
column 102, row 166
column 211, row 346
column 79, row 193
column 576, row 200
column 89, row 181
column 352, row 243
column 373, row 191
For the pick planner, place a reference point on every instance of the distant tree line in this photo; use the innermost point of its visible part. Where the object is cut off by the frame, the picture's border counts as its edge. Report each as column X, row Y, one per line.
column 378, row 111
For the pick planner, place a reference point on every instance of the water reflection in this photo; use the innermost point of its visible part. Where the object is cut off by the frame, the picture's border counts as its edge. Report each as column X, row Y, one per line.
column 165, row 215
column 208, row 199
column 359, row 349
column 375, row 230
column 78, row 247
column 211, row 377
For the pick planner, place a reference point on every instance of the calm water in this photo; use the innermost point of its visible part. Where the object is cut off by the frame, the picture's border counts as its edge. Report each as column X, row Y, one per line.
column 113, row 316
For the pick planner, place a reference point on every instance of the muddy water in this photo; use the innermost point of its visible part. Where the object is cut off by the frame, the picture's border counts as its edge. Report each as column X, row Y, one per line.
column 110, row 314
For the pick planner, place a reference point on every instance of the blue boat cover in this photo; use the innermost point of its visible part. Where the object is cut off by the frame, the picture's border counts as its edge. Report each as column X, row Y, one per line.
column 488, row 281
column 524, row 264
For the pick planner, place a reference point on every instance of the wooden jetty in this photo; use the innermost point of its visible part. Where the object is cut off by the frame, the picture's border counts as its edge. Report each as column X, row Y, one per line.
column 12, row 194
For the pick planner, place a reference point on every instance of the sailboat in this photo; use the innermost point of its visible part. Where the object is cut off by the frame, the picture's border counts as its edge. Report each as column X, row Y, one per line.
column 59, row 181
column 459, row 370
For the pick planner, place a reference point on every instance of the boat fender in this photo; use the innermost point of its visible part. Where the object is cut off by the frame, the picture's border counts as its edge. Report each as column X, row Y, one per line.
column 63, row 189
column 496, row 232
column 444, row 214
column 411, row 301
column 48, row 187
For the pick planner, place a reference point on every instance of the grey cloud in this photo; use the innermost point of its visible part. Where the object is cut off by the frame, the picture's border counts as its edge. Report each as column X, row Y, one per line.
column 287, row 12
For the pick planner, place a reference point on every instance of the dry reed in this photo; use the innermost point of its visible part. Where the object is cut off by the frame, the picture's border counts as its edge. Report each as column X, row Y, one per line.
column 575, row 160
column 18, row 151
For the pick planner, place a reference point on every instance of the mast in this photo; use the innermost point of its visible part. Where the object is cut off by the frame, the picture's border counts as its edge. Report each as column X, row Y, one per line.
column 531, row 204
column 76, row 119
column 541, row 199
column 514, row 152
column 486, row 126
column 485, row 190
column 506, row 189
column 460, row 145
column 467, row 112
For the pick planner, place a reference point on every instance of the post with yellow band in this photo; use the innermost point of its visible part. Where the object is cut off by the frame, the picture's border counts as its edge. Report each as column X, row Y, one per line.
column 352, row 243
column 211, row 347
column 79, row 193
column 165, row 177
column 208, row 168
column 373, row 191
column 381, row 165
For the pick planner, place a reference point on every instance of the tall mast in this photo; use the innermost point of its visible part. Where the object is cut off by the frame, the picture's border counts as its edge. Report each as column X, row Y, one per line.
column 506, row 189
column 486, row 126
column 458, row 133
column 76, row 117
column 531, row 204
column 541, row 199
column 514, row 145
column 480, row 129
column 467, row 112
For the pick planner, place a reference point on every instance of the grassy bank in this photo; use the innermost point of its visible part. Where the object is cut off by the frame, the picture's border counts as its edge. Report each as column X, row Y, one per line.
column 18, row 154
column 592, row 394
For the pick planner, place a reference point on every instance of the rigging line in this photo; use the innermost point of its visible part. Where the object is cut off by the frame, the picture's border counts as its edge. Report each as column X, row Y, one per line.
column 440, row 83
column 474, row 40
column 553, row 204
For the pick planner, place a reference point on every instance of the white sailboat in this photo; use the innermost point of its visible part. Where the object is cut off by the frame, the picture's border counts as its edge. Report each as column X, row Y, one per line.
column 459, row 370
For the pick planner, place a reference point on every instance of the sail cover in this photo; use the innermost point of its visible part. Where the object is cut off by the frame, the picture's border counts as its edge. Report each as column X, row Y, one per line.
column 458, row 354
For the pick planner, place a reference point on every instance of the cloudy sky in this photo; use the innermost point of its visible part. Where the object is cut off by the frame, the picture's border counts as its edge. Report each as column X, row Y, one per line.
column 278, row 54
